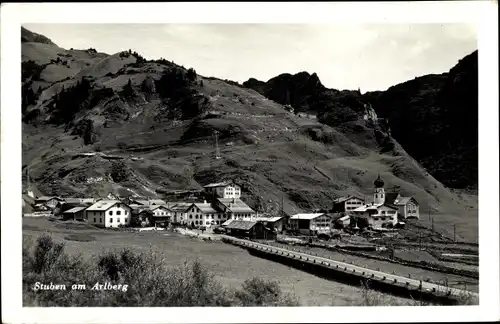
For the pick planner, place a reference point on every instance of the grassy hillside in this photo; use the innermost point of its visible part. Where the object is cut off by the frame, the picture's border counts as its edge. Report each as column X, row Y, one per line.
column 158, row 119
column 434, row 117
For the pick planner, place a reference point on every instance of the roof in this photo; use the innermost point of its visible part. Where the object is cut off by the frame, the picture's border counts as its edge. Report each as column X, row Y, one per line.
column 342, row 199
column 405, row 200
column 49, row 198
column 151, row 202
column 391, row 197
column 372, row 207
column 343, row 218
column 219, row 184
column 306, row 216
column 229, row 221
column 104, row 205
column 72, row 200
column 158, row 206
column 235, row 205
column 74, row 210
column 179, row 207
column 241, row 225
column 205, row 208
column 268, row 219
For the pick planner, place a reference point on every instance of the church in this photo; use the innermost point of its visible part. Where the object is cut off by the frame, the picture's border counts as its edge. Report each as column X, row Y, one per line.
column 386, row 209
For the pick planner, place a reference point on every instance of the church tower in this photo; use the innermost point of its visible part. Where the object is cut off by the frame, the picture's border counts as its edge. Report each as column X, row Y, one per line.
column 378, row 191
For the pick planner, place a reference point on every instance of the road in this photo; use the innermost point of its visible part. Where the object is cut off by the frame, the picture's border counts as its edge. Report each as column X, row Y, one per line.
column 363, row 272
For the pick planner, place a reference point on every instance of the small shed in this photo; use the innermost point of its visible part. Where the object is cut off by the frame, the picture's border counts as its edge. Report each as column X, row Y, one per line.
column 246, row 229
column 273, row 223
column 76, row 213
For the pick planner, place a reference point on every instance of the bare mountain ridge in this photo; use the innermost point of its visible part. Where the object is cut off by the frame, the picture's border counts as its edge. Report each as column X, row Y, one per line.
column 434, row 117
column 150, row 124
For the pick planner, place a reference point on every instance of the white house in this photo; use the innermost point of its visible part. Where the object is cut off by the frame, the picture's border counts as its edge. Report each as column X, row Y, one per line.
column 224, row 190
column 178, row 210
column 203, row 214
column 377, row 216
column 235, row 209
column 408, row 207
column 108, row 213
column 311, row 224
column 346, row 204
column 160, row 211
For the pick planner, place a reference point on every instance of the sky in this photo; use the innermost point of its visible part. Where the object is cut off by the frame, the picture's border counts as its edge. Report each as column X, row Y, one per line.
column 345, row 56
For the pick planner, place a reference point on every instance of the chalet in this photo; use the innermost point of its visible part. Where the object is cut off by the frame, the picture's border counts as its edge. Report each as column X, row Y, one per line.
column 252, row 230
column 75, row 213
column 311, row 224
column 161, row 215
column 377, row 215
column 346, row 204
column 235, row 208
column 225, row 190
column 408, row 207
column 273, row 223
column 178, row 210
column 49, row 202
column 108, row 213
column 203, row 214
column 141, row 216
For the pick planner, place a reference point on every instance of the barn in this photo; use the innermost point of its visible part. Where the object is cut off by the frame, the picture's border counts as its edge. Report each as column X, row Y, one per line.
column 251, row 230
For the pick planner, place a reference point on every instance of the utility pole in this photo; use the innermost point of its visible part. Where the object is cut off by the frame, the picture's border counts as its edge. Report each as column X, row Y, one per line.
column 217, row 152
column 454, row 232
column 282, row 206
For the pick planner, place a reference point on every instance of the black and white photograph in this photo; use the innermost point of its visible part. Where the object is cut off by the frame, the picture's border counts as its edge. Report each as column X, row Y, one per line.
column 239, row 164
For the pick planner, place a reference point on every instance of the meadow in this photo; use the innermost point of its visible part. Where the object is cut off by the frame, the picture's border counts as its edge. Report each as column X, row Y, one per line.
column 230, row 266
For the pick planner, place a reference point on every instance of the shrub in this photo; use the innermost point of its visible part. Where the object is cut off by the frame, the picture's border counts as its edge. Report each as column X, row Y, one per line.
column 258, row 292
column 119, row 171
column 191, row 74
column 128, row 90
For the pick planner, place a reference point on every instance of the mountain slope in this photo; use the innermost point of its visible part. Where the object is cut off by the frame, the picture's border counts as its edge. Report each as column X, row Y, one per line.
column 149, row 126
column 434, row 117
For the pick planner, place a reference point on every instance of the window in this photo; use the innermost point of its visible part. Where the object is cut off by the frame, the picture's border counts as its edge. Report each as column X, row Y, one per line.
column 118, row 212
column 100, row 213
column 111, row 220
column 126, row 213
column 94, row 220
column 196, row 222
column 190, row 216
column 110, row 212
column 117, row 220
column 100, row 220
column 196, row 216
column 207, row 223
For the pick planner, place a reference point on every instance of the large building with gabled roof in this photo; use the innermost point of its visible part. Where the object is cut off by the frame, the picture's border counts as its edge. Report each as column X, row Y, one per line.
column 108, row 213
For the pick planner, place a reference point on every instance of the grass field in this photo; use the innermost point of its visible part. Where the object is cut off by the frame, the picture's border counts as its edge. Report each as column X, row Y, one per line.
column 231, row 265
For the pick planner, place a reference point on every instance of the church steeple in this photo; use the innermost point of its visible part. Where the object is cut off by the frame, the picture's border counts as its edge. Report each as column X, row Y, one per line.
column 379, row 183
column 378, row 191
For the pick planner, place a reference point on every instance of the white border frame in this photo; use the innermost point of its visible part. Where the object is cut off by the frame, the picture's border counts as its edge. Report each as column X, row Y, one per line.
column 485, row 13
